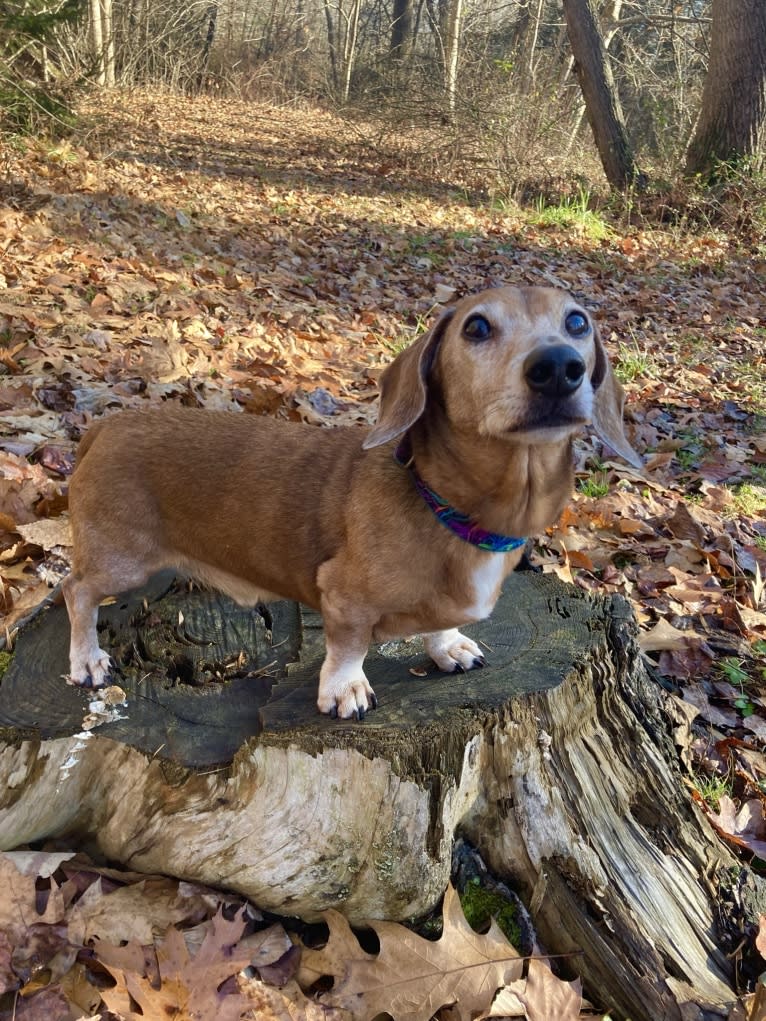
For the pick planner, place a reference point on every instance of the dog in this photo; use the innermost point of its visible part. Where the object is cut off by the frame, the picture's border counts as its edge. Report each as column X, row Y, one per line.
column 409, row 529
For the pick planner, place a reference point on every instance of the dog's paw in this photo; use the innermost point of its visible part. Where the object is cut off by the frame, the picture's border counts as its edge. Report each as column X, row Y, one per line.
column 346, row 700
column 92, row 671
column 453, row 652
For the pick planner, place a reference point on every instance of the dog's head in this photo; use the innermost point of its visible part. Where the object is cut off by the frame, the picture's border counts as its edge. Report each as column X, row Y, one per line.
column 522, row 363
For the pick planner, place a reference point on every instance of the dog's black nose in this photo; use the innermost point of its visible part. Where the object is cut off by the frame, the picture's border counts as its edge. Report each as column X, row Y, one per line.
column 554, row 371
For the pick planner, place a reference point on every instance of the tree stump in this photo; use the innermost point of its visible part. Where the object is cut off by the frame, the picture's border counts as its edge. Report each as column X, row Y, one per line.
column 555, row 761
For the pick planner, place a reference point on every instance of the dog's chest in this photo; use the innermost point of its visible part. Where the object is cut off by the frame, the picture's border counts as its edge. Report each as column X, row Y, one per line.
column 485, row 581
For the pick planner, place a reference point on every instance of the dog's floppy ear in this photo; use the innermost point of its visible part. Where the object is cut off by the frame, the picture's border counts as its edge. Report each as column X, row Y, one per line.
column 608, row 401
column 404, row 385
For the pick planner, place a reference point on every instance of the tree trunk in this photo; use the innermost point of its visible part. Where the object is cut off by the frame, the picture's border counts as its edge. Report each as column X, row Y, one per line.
column 107, row 20
column 608, row 34
column 332, row 43
column 732, row 119
column 530, row 69
column 601, row 101
column 452, row 53
column 351, row 32
column 401, row 29
column 212, row 20
column 555, row 761
column 97, row 40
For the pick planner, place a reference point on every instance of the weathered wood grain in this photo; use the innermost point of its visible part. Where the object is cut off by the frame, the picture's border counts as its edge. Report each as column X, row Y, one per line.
column 555, row 760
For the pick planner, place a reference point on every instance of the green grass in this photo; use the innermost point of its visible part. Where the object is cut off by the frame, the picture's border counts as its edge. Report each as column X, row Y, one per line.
column 749, row 499
column 595, row 486
column 712, row 788
column 633, row 363
column 572, row 214
column 752, row 375
column 690, row 454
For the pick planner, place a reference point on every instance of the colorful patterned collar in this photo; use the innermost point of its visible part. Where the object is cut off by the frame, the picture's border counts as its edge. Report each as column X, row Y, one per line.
column 457, row 522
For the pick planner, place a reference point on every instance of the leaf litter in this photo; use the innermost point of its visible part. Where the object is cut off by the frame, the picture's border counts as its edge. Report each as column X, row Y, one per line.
column 170, row 949
column 261, row 261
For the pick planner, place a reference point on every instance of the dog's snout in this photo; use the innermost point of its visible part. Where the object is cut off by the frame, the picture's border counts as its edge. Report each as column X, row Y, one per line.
column 554, row 371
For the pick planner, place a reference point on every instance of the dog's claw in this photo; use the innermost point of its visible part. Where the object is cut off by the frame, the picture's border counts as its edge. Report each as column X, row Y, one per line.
column 458, row 669
column 479, row 661
column 373, row 701
column 346, row 701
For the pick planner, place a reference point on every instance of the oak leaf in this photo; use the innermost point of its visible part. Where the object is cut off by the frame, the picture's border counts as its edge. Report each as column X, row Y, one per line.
column 540, row 997
column 287, row 1004
column 189, row 987
column 19, row 906
column 411, row 978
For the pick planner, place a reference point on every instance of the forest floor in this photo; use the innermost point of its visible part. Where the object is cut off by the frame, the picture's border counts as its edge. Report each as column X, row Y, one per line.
column 272, row 261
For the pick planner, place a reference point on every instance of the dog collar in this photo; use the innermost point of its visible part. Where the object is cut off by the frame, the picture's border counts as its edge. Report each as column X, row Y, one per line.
column 457, row 522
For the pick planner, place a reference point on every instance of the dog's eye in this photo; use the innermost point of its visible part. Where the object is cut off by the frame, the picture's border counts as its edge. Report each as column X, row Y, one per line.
column 577, row 324
column 476, row 328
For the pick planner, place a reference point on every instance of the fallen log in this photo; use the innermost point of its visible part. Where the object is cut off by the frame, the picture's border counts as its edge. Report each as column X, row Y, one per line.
column 556, row 761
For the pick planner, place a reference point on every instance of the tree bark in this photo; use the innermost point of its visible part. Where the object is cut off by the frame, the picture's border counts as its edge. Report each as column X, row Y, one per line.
column 97, row 40
column 212, row 20
column 732, row 121
column 556, row 761
column 608, row 34
column 107, row 20
column 401, row 29
column 601, row 100
column 452, row 53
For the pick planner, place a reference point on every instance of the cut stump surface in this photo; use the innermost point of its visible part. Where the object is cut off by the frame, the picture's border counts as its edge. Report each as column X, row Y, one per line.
column 555, row 760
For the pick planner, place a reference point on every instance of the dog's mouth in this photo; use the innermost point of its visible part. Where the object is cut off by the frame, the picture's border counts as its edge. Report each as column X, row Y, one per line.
column 553, row 419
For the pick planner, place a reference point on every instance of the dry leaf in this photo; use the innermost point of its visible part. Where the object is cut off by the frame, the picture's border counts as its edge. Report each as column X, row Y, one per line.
column 137, row 912
column 411, row 977
column 18, row 902
column 760, row 939
column 540, row 997
column 189, row 987
column 744, row 827
column 333, row 958
column 48, row 533
column 287, row 1004
column 663, row 636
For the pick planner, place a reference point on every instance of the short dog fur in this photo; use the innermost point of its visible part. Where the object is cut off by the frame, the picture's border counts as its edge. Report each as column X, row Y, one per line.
column 489, row 400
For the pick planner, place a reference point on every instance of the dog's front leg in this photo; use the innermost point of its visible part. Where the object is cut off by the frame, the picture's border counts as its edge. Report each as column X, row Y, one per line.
column 344, row 690
column 452, row 651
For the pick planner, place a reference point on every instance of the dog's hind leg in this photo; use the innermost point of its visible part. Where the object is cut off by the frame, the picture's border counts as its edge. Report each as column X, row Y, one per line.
column 88, row 664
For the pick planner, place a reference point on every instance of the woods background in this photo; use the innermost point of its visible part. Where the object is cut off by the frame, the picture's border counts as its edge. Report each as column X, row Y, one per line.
column 508, row 86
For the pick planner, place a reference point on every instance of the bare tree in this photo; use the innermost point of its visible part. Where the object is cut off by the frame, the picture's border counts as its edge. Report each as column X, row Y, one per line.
column 342, row 19
column 102, row 40
column 445, row 19
column 602, row 103
column 452, row 52
column 401, row 28
column 732, row 121
column 212, row 21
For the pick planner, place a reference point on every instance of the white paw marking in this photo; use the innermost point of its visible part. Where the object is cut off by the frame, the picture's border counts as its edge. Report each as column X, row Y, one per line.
column 344, row 691
column 89, row 670
column 452, row 651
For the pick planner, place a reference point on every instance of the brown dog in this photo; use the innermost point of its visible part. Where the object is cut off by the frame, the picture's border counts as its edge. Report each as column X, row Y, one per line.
column 487, row 401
